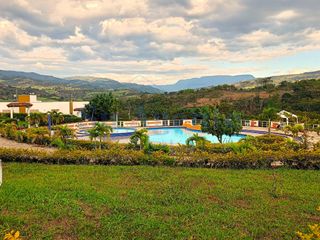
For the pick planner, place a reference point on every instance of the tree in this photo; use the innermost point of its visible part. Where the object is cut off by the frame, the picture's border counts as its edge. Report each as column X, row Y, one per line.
column 234, row 124
column 64, row 132
column 115, row 109
column 269, row 114
column 100, row 107
column 100, row 130
column 36, row 119
column 93, row 134
column 56, row 117
column 140, row 138
column 296, row 129
column 216, row 123
column 196, row 140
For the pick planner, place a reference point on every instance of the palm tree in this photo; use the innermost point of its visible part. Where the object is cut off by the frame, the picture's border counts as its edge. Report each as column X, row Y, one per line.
column 56, row 117
column 36, row 119
column 196, row 140
column 64, row 132
column 100, row 130
column 93, row 134
column 270, row 114
column 115, row 108
column 140, row 138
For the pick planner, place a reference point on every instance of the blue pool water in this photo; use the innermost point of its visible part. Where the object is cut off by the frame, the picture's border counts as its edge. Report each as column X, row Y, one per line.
column 123, row 130
column 116, row 132
column 180, row 135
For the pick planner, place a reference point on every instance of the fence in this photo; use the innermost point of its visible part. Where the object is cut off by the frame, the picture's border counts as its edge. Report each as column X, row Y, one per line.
column 177, row 123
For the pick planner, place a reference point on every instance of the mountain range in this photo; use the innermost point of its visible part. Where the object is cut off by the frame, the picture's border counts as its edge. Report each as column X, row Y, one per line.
column 203, row 82
column 278, row 79
column 15, row 78
column 84, row 87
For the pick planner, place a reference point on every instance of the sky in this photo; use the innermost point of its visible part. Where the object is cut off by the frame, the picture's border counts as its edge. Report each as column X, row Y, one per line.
column 159, row 41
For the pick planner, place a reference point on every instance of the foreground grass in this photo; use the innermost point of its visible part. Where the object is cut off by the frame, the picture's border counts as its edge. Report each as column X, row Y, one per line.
column 114, row 202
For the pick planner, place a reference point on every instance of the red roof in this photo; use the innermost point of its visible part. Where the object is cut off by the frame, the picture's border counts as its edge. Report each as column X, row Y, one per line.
column 19, row 104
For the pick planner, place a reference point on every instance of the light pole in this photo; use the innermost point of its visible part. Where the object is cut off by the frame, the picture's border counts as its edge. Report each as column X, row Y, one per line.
column 49, row 123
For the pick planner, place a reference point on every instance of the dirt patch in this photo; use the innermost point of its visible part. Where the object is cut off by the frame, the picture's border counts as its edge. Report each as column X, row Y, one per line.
column 93, row 215
column 242, row 203
column 5, row 143
column 214, row 199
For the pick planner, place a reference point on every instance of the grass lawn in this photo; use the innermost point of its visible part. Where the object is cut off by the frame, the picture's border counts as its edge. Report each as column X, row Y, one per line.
column 118, row 202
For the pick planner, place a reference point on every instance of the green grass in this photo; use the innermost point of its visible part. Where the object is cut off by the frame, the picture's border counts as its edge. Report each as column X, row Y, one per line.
column 114, row 202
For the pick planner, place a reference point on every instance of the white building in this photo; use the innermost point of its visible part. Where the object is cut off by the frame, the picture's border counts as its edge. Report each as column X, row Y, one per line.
column 39, row 106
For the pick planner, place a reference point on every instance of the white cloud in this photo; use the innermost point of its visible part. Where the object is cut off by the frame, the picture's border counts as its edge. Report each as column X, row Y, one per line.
column 11, row 34
column 286, row 15
column 153, row 39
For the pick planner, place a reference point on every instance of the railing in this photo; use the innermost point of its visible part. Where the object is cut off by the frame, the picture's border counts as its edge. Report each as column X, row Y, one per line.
column 178, row 123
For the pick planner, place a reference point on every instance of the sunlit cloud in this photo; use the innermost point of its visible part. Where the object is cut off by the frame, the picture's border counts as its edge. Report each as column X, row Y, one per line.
column 151, row 41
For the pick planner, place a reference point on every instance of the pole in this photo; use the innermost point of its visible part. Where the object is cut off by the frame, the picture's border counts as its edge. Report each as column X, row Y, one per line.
column 49, row 122
column 0, row 172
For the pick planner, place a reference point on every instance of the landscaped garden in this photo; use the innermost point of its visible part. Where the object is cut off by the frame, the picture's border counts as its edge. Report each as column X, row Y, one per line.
column 264, row 187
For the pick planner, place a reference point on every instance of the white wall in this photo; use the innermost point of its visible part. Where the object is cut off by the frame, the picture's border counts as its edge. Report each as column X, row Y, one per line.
column 47, row 106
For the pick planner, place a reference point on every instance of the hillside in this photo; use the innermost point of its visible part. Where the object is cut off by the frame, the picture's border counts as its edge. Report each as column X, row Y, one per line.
column 202, row 82
column 300, row 97
column 278, row 79
column 12, row 82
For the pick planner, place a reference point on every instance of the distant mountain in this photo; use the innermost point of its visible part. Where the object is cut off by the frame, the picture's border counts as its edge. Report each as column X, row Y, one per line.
column 278, row 79
column 202, row 82
column 88, row 81
column 31, row 79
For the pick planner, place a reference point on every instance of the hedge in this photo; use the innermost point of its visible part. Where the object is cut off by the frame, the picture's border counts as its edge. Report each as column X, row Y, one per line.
column 255, row 160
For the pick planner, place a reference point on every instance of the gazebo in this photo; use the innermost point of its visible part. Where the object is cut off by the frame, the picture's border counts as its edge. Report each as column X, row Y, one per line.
column 19, row 105
column 286, row 115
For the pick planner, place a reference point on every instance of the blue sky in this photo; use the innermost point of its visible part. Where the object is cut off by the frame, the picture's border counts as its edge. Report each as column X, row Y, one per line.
column 159, row 41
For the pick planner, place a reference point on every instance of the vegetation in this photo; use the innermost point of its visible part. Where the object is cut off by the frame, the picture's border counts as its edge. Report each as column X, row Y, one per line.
column 313, row 234
column 140, row 139
column 56, row 117
column 197, row 141
column 36, row 119
column 269, row 114
column 98, row 202
column 218, row 125
column 101, row 107
column 100, row 130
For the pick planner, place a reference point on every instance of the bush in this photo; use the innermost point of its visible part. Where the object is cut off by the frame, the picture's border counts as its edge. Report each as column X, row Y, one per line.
column 291, row 159
column 157, row 147
column 71, row 119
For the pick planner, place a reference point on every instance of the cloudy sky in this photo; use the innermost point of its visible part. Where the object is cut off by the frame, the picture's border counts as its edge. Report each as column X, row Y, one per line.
column 159, row 41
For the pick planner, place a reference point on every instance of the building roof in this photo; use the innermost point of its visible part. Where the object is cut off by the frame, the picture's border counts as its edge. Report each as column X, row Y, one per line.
column 19, row 104
column 78, row 109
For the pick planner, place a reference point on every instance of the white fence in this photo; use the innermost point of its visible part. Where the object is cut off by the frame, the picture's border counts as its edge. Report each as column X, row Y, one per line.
column 173, row 123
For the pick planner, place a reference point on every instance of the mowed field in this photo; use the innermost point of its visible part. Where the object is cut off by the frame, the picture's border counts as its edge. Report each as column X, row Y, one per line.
column 119, row 202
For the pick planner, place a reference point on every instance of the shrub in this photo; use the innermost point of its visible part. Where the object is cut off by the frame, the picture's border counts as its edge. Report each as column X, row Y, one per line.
column 157, row 147
column 58, row 143
column 291, row 159
column 67, row 118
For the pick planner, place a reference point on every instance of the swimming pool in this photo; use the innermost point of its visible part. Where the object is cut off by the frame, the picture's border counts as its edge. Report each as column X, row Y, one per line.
column 116, row 132
column 180, row 135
